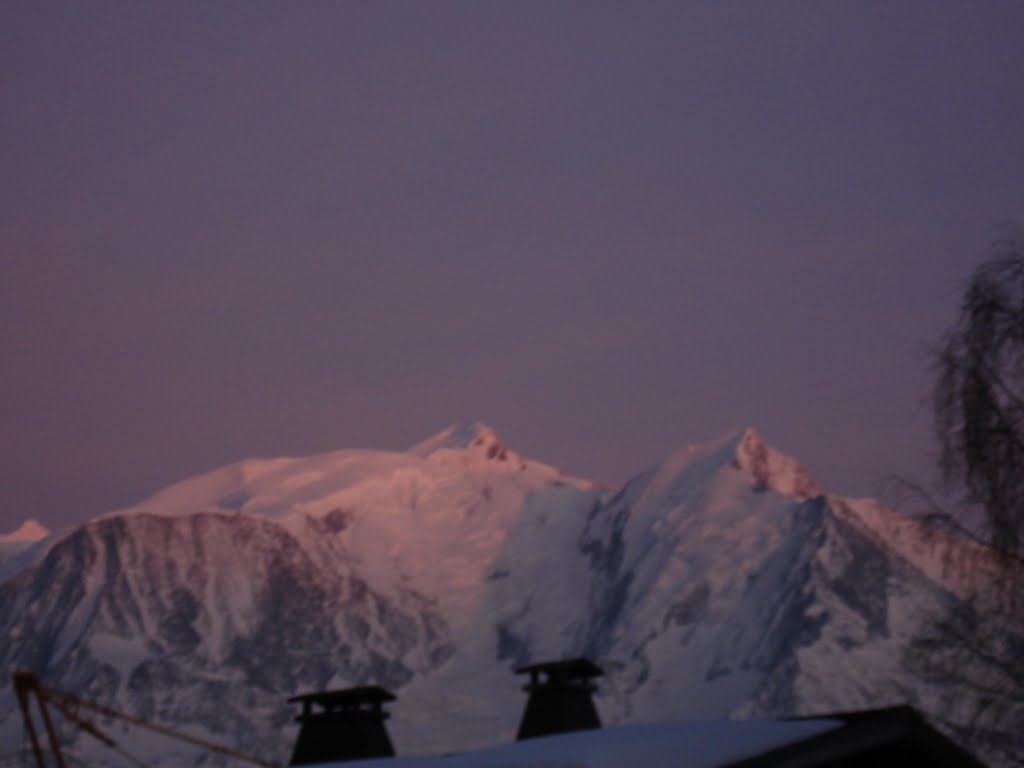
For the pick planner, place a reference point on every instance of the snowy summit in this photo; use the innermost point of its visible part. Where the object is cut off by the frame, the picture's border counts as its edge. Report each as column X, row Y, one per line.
column 721, row 583
column 28, row 532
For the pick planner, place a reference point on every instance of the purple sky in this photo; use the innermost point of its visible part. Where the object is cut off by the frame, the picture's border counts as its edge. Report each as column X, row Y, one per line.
column 607, row 230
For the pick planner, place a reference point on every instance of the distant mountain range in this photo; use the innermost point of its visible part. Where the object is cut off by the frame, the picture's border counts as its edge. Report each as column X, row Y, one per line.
column 721, row 583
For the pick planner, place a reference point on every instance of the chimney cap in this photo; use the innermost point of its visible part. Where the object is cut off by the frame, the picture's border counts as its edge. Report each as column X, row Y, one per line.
column 346, row 697
column 579, row 667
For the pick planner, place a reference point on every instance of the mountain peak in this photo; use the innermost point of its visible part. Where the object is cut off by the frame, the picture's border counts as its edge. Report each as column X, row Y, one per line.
column 473, row 436
column 770, row 468
column 30, row 531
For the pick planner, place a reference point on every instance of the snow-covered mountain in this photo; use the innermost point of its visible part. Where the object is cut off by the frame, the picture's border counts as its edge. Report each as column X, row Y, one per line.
column 28, row 532
column 16, row 542
column 721, row 583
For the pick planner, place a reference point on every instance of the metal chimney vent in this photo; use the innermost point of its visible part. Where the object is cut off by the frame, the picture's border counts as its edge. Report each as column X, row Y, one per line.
column 347, row 725
column 560, row 698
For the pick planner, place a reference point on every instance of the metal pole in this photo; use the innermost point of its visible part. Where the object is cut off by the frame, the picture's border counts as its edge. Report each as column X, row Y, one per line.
column 54, row 744
column 23, row 683
column 26, row 682
column 68, row 699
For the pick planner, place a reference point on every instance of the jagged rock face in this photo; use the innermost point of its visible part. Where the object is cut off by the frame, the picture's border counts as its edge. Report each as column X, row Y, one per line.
column 172, row 618
column 720, row 583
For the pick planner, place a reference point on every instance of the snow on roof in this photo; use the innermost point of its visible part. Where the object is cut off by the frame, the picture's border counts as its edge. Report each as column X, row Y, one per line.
column 698, row 744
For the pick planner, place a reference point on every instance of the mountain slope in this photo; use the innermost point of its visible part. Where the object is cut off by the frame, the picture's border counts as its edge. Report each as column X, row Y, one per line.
column 720, row 583
column 14, row 545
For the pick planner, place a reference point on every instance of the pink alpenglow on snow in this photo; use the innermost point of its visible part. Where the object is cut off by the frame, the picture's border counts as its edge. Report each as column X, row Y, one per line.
column 28, row 532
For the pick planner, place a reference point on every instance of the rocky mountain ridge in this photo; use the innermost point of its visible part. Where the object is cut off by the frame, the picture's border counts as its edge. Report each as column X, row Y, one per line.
column 721, row 583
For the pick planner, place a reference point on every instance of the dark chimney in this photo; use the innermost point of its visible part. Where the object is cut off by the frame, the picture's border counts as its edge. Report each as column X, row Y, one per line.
column 349, row 725
column 560, row 698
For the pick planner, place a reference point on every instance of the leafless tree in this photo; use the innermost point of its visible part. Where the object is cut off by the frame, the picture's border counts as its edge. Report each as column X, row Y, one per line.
column 979, row 397
column 977, row 647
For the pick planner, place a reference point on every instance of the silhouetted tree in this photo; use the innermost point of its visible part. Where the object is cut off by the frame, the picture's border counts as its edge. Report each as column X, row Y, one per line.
column 977, row 646
column 979, row 397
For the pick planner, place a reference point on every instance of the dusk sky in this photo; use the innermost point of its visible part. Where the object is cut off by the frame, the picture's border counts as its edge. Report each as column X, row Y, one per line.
column 608, row 230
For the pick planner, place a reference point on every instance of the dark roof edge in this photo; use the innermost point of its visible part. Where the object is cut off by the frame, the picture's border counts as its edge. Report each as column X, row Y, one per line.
column 860, row 731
